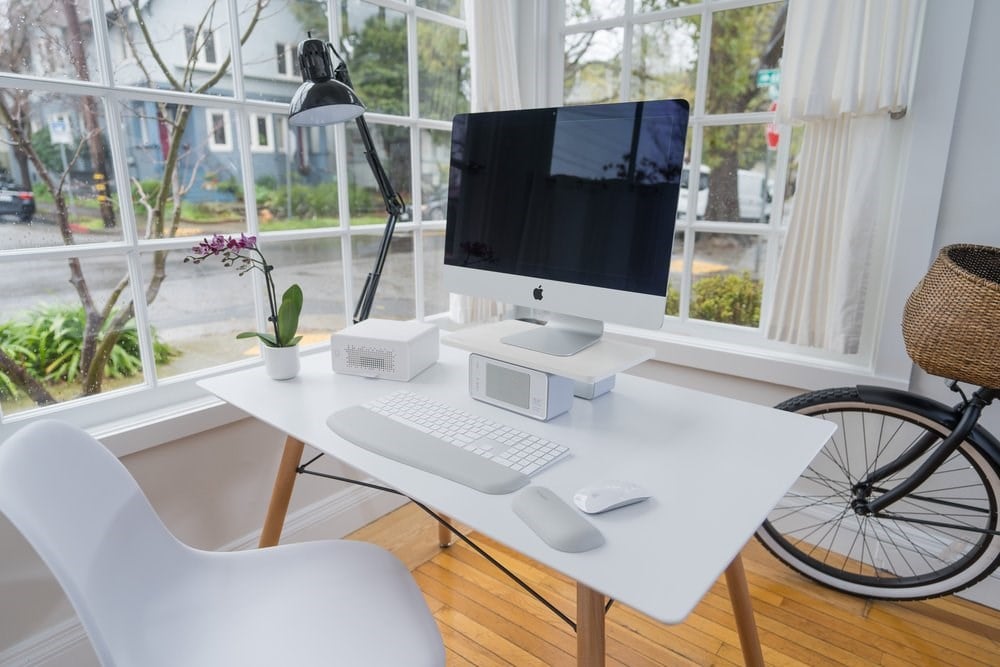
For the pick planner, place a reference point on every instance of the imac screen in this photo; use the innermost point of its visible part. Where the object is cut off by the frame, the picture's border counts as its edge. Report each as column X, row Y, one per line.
column 583, row 194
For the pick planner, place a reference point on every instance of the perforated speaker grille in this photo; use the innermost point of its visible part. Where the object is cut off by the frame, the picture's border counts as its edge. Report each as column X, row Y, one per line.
column 368, row 358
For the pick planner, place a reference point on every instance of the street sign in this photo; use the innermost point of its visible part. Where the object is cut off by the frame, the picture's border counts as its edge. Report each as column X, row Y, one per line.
column 768, row 77
column 60, row 131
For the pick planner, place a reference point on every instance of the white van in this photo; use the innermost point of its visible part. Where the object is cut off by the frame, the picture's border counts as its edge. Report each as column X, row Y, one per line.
column 750, row 189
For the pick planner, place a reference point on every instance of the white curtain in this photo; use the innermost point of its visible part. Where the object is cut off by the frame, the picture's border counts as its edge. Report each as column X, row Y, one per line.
column 846, row 70
column 493, row 61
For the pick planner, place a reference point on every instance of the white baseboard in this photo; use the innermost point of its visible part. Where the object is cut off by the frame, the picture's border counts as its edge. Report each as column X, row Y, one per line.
column 65, row 644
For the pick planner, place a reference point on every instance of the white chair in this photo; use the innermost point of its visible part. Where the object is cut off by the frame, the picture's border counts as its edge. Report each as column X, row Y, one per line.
column 146, row 599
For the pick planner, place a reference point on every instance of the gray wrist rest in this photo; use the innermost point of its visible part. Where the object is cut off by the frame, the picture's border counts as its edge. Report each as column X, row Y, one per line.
column 556, row 522
column 381, row 435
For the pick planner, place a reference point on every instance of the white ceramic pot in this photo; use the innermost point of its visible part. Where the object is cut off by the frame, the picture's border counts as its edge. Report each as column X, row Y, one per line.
column 282, row 363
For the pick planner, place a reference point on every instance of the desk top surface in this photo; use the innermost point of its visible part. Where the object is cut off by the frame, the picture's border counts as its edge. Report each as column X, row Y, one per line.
column 715, row 467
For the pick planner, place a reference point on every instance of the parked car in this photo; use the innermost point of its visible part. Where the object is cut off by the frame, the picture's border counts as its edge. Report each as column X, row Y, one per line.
column 16, row 201
column 750, row 187
column 435, row 207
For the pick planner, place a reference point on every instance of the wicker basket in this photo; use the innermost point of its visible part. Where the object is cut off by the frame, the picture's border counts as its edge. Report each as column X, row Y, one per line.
column 951, row 323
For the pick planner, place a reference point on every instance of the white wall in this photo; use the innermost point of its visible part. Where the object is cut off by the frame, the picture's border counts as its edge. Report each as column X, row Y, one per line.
column 212, row 488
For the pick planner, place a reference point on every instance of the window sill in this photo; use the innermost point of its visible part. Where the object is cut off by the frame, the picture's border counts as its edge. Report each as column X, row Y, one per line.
column 151, row 429
column 751, row 362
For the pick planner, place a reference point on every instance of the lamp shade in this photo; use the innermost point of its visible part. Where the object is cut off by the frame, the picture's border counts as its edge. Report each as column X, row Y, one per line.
column 324, row 103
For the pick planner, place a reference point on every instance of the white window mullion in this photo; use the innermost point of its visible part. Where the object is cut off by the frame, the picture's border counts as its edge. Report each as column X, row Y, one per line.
column 416, row 194
column 343, row 191
column 625, row 84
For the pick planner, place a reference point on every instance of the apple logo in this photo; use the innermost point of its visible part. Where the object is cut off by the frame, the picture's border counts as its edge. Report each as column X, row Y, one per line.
column 537, row 293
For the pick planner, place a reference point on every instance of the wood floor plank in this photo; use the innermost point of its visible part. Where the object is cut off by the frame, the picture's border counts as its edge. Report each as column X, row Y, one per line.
column 487, row 620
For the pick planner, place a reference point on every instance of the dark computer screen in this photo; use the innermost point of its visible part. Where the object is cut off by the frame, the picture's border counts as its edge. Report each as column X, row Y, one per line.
column 582, row 194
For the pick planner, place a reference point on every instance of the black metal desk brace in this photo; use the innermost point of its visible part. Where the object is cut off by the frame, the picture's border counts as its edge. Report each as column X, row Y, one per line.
column 303, row 470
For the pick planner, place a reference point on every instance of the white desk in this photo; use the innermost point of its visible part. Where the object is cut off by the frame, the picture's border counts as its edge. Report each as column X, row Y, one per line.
column 715, row 467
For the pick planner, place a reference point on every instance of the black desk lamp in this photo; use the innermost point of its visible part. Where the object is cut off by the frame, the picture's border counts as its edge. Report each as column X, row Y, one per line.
column 326, row 97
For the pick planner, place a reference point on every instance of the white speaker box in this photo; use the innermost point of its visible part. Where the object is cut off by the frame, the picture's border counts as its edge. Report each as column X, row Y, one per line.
column 387, row 349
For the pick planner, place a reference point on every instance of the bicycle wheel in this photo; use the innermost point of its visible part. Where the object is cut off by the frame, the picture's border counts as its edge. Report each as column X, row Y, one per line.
column 932, row 542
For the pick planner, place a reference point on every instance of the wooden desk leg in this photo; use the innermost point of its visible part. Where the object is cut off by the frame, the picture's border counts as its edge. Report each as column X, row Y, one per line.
column 445, row 538
column 281, row 494
column 589, row 627
column 746, row 627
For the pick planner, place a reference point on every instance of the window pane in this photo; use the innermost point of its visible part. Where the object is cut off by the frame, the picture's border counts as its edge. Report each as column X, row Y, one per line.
column 270, row 71
column 435, row 295
column 37, row 45
column 592, row 67
column 198, row 321
column 665, row 59
column 44, row 333
column 744, row 41
column 296, row 185
column 395, row 298
column 728, row 278
column 316, row 266
column 450, row 7
column 740, row 172
column 435, row 153
column 374, row 44
column 203, row 331
column 581, row 11
column 180, row 50
column 70, row 197
column 674, row 277
column 442, row 70
column 393, row 146
column 200, row 171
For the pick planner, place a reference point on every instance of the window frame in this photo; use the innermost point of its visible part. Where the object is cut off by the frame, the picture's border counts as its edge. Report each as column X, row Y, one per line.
column 160, row 409
column 744, row 352
column 226, row 145
column 287, row 59
column 207, row 54
column 255, row 145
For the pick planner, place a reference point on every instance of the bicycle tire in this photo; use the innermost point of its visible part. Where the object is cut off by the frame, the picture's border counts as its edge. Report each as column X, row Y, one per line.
column 815, row 531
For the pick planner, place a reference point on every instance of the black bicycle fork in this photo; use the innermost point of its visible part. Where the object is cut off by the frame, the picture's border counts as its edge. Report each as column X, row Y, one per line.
column 864, row 505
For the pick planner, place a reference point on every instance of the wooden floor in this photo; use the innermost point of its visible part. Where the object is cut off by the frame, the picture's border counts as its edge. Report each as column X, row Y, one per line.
column 486, row 619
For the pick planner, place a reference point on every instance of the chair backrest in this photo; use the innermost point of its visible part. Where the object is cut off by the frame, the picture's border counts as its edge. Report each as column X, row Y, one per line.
column 84, row 514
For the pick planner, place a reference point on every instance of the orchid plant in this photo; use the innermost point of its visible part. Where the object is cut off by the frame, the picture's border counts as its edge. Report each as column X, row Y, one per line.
column 244, row 254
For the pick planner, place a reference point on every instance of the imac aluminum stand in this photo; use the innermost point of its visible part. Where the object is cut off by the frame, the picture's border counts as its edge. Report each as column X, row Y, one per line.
column 563, row 336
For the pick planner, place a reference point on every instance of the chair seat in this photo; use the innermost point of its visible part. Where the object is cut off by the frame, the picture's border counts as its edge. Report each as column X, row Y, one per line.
column 317, row 603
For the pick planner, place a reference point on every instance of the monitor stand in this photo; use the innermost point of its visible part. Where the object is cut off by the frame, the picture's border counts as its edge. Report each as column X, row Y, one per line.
column 563, row 336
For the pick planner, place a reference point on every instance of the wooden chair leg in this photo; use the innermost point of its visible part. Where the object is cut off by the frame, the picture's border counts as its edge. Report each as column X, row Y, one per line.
column 746, row 627
column 445, row 538
column 281, row 494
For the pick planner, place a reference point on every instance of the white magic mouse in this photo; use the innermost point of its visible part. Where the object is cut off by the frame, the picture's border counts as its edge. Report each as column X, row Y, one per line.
column 608, row 495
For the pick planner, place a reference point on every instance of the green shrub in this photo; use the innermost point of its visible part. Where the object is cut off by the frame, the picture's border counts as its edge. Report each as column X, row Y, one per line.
column 150, row 186
column 41, row 191
column 267, row 182
column 48, row 342
column 731, row 299
column 231, row 186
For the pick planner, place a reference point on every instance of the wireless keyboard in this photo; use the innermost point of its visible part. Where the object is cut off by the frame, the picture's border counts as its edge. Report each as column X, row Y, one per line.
column 433, row 436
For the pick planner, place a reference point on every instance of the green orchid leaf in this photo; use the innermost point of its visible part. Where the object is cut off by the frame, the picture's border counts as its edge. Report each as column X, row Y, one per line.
column 267, row 339
column 288, row 316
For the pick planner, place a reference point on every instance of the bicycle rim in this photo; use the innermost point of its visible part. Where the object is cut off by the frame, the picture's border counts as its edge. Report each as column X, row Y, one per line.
column 815, row 530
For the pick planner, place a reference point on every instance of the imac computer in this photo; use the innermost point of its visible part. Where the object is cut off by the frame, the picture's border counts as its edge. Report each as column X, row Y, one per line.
column 570, row 210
